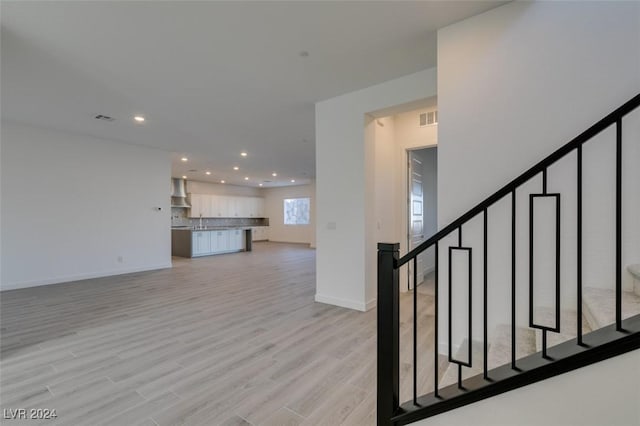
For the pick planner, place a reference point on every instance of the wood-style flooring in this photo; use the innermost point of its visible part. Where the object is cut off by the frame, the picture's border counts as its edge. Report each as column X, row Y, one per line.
column 224, row 340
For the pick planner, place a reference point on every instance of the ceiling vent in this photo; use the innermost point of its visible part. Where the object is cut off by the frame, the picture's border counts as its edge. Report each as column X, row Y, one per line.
column 104, row 117
column 428, row 118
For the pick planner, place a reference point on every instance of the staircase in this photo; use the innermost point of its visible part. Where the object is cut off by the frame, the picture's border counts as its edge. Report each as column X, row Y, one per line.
column 561, row 336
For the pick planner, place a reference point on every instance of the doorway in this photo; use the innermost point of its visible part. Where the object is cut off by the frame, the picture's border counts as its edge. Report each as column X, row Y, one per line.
column 422, row 209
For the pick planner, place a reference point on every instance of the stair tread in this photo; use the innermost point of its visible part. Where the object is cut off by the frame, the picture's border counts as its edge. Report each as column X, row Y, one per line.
column 500, row 348
column 477, row 355
column 599, row 304
column 634, row 270
column 568, row 325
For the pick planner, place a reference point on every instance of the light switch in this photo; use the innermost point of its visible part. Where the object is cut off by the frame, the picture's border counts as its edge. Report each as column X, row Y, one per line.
column 331, row 225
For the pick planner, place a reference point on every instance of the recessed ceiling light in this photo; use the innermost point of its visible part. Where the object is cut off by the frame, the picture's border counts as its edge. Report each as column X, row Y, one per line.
column 222, row 181
column 259, row 184
column 244, row 154
column 208, row 173
column 184, row 177
column 236, row 168
column 293, row 180
column 139, row 118
column 246, row 178
column 274, row 174
column 184, row 159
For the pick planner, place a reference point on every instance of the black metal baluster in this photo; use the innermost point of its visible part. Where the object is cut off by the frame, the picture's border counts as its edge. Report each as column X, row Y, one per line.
column 579, row 250
column 470, row 309
column 558, row 264
column 486, row 377
column 531, row 256
column 450, row 348
column 513, row 280
column 619, row 224
column 532, row 324
column 415, row 330
column 435, row 325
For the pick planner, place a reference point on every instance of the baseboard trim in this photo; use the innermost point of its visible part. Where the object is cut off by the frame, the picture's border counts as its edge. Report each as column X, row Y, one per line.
column 371, row 304
column 79, row 277
column 343, row 303
column 302, row 243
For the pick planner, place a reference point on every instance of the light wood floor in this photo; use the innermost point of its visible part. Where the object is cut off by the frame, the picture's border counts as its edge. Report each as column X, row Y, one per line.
column 225, row 340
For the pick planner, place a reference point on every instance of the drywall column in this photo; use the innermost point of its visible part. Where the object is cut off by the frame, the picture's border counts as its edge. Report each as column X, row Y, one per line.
column 514, row 84
column 342, row 155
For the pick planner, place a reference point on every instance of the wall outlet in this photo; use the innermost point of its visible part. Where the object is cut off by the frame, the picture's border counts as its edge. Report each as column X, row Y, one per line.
column 120, row 259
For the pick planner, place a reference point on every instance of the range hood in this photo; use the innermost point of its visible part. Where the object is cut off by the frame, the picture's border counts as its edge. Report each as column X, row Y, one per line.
column 178, row 193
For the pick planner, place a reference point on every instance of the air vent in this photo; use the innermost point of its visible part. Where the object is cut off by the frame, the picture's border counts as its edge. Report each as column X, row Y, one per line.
column 104, row 117
column 428, row 118
column 267, row 181
column 193, row 170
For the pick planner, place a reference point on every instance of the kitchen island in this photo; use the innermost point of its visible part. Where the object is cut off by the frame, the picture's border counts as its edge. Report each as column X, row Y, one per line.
column 207, row 241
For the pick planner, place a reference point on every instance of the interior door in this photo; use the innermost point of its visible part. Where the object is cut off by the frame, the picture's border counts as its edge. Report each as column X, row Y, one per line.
column 416, row 215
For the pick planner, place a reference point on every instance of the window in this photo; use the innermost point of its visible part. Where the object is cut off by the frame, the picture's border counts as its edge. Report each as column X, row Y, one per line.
column 296, row 211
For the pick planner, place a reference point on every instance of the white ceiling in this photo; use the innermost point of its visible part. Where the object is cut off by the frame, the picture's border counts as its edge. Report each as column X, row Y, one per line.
column 211, row 78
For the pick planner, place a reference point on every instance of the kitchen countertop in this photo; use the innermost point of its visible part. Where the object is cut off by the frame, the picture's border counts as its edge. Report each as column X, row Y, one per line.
column 208, row 228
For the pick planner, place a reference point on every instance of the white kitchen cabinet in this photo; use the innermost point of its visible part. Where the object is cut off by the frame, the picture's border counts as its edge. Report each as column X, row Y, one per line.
column 260, row 233
column 200, row 205
column 201, row 243
column 220, row 241
column 210, row 206
column 236, row 237
column 244, row 206
column 232, row 207
column 256, row 207
column 260, row 207
column 251, row 207
column 219, row 206
column 196, row 205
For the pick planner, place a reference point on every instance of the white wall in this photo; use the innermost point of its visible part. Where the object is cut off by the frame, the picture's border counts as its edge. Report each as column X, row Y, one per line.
column 514, row 84
column 274, row 207
column 591, row 396
column 71, row 205
column 345, row 232
column 430, row 190
column 381, row 211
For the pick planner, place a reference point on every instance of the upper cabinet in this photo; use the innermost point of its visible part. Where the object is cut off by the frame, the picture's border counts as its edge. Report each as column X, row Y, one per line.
column 199, row 205
column 206, row 205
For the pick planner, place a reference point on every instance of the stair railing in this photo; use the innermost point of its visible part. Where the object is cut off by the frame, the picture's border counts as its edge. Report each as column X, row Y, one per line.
column 621, row 337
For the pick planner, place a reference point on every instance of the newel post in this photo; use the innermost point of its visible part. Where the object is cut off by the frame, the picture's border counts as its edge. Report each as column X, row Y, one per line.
column 388, row 332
